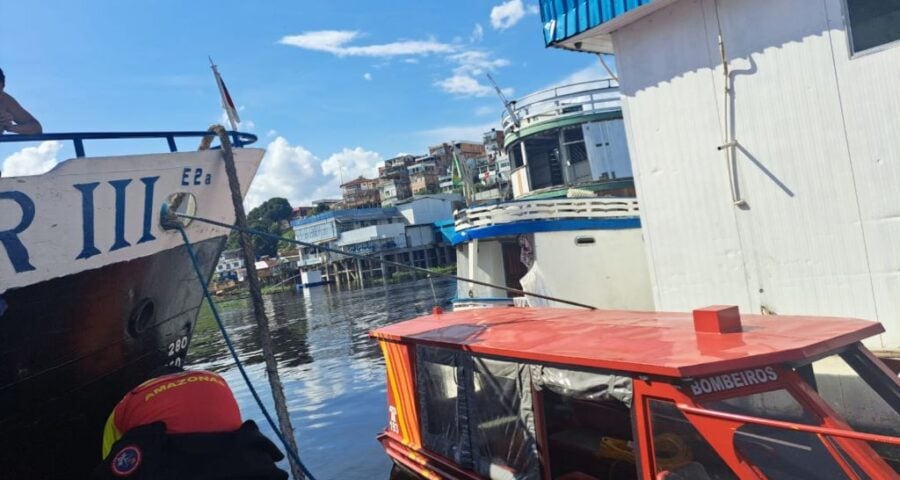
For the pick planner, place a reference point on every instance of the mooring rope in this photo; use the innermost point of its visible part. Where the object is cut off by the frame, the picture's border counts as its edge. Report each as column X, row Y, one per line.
column 237, row 359
column 259, row 311
column 384, row 261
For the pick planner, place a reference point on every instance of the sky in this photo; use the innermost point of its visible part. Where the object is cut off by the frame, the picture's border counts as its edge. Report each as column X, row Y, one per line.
column 332, row 89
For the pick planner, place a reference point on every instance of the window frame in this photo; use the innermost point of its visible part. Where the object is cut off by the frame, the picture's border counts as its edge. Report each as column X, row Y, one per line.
column 853, row 53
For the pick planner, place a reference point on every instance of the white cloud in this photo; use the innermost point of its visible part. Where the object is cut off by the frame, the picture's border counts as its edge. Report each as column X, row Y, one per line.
column 244, row 125
column 295, row 173
column 32, row 160
column 477, row 62
column 469, row 64
column 271, row 133
column 464, row 85
column 509, row 13
column 285, row 171
column 336, row 43
column 457, row 132
column 352, row 163
column 462, row 82
column 477, row 33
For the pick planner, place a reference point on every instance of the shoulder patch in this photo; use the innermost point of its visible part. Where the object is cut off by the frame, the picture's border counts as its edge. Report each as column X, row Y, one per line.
column 126, row 461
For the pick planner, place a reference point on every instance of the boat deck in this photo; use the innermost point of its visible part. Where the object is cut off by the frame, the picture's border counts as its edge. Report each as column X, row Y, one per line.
column 652, row 343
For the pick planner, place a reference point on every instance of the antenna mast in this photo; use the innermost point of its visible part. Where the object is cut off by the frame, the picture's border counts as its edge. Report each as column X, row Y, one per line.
column 506, row 103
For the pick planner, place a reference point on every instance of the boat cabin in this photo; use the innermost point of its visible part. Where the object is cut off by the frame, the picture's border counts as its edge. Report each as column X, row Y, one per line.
column 545, row 393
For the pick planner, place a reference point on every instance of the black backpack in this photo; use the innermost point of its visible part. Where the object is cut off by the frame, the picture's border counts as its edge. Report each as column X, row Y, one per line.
column 148, row 452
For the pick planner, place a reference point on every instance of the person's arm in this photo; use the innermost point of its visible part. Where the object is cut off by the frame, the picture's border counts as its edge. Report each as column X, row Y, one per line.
column 25, row 123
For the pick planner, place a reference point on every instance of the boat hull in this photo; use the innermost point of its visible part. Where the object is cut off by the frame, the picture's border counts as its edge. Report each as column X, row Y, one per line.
column 73, row 346
column 95, row 295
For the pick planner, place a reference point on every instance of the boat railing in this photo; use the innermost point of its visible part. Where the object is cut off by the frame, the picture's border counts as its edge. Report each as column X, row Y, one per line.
column 570, row 100
column 238, row 139
column 546, row 209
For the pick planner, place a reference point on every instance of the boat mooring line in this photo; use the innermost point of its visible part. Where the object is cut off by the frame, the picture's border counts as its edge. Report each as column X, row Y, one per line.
column 286, row 429
column 371, row 258
column 237, row 360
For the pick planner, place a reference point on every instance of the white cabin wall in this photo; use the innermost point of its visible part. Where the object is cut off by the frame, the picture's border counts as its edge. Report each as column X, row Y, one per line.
column 607, row 147
column 871, row 102
column 610, row 273
column 818, row 160
column 480, row 260
column 673, row 127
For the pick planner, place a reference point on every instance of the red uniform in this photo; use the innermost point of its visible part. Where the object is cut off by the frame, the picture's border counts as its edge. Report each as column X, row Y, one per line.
column 188, row 402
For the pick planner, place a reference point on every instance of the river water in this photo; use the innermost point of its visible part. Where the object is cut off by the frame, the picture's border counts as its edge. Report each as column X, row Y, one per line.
column 333, row 373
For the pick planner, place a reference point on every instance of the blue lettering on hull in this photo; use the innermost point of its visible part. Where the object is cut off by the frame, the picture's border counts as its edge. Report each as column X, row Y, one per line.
column 15, row 249
column 17, row 252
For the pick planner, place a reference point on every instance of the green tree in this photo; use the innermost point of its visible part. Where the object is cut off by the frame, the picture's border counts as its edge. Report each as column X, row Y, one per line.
column 267, row 217
column 321, row 208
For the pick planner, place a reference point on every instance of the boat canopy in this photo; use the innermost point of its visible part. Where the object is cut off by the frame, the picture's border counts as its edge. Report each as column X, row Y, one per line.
column 479, row 411
column 654, row 343
column 586, row 25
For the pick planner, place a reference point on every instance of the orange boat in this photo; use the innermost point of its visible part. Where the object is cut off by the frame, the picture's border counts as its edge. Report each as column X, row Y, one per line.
column 535, row 393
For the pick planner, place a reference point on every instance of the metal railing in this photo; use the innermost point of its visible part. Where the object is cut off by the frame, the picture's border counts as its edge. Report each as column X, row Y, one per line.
column 571, row 100
column 548, row 209
column 238, row 139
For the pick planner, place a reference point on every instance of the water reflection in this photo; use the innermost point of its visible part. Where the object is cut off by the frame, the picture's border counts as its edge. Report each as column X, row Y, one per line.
column 333, row 373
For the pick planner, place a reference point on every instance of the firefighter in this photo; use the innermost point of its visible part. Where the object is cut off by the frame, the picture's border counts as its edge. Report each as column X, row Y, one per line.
column 184, row 425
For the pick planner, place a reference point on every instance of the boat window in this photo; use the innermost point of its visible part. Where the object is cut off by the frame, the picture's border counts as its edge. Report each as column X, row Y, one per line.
column 513, row 266
column 588, row 437
column 776, row 405
column 679, row 451
column 500, row 420
column 779, row 452
column 586, row 423
column 438, row 389
column 873, row 23
column 858, row 403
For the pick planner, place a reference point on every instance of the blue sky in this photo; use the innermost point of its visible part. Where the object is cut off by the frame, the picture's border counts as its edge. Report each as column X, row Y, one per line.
column 326, row 85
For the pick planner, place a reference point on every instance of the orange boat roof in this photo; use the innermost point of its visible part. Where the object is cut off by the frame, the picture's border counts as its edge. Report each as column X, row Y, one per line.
column 653, row 343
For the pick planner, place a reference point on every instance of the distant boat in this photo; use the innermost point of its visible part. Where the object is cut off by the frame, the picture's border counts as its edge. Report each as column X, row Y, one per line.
column 94, row 294
column 572, row 230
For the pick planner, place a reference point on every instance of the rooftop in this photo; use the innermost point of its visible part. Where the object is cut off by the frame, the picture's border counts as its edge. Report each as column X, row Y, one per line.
column 359, row 181
column 652, row 343
column 355, row 214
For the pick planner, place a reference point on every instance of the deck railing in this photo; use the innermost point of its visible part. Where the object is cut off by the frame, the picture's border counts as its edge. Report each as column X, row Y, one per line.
column 549, row 209
column 238, row 139
column 571, row 100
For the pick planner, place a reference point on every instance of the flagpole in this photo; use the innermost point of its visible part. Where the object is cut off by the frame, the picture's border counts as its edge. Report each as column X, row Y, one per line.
column 227, row 104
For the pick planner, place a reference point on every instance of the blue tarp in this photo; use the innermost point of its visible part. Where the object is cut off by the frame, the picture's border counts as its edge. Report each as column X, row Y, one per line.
column 447, row 229
column 564, row 19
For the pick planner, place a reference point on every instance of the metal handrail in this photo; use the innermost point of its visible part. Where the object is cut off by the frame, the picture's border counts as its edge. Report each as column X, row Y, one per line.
column 238, row 139
column 546, row 209
column 791, row 426
column 589, row 97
